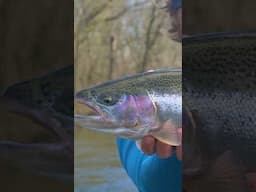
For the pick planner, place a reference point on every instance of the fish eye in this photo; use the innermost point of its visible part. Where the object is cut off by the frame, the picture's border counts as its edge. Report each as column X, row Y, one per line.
column 108, row 99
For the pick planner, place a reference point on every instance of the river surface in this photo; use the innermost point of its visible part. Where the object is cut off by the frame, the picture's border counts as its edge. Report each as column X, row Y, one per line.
column 97, row 165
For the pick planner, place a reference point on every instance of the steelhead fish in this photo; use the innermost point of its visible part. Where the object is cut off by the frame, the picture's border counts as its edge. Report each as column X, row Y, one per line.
column 135, row 106
column 219, row 90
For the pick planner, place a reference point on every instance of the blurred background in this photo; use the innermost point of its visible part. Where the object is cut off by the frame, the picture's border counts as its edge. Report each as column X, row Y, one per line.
column 113, row 39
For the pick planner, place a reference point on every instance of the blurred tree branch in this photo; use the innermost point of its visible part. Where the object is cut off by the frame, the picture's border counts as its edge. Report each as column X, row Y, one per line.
column 96, row 12
column 150, row 38
column 124, row 11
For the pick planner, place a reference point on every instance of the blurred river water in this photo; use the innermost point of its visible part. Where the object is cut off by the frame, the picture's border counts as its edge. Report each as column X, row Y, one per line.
column 97, row 165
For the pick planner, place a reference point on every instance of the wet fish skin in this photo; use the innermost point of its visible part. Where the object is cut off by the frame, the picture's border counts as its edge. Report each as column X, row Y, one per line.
column 138, row 105
column 218, row 71
column 219, row 89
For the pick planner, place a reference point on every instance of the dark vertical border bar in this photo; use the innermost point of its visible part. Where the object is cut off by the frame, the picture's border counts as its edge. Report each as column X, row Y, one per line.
column 36, row 102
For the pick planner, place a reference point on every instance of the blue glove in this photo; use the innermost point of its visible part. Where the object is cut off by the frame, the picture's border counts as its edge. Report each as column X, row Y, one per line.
column 150, row 173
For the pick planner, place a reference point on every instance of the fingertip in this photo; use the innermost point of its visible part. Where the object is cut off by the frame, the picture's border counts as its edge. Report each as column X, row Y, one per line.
column 148, row 145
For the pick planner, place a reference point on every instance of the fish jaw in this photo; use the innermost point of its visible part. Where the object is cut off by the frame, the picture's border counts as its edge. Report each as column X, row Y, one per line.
column 93, row 107
column 96, row 123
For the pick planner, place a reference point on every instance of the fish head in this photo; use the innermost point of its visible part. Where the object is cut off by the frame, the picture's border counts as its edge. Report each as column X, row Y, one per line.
column 120, row 109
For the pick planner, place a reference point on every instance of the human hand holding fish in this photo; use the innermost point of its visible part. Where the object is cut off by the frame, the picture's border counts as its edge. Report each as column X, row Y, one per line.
column 151, row 145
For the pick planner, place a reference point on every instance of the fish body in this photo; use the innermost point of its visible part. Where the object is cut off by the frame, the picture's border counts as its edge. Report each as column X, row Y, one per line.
column 219, row 90
column 136, row 106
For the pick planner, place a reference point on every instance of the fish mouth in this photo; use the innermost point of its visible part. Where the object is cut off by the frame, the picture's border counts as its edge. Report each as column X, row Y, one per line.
column 94, row 112
column 98, row 122
column 93, row 109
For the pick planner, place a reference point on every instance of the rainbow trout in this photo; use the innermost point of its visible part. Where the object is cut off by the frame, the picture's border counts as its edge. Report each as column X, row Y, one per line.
column 219, row 91
column 135, row 106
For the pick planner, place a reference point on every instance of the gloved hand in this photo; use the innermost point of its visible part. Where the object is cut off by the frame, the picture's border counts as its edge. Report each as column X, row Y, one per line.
column 150, row 173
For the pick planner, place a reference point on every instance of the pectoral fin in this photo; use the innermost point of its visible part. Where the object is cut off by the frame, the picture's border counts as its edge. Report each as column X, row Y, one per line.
column 168, row 134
